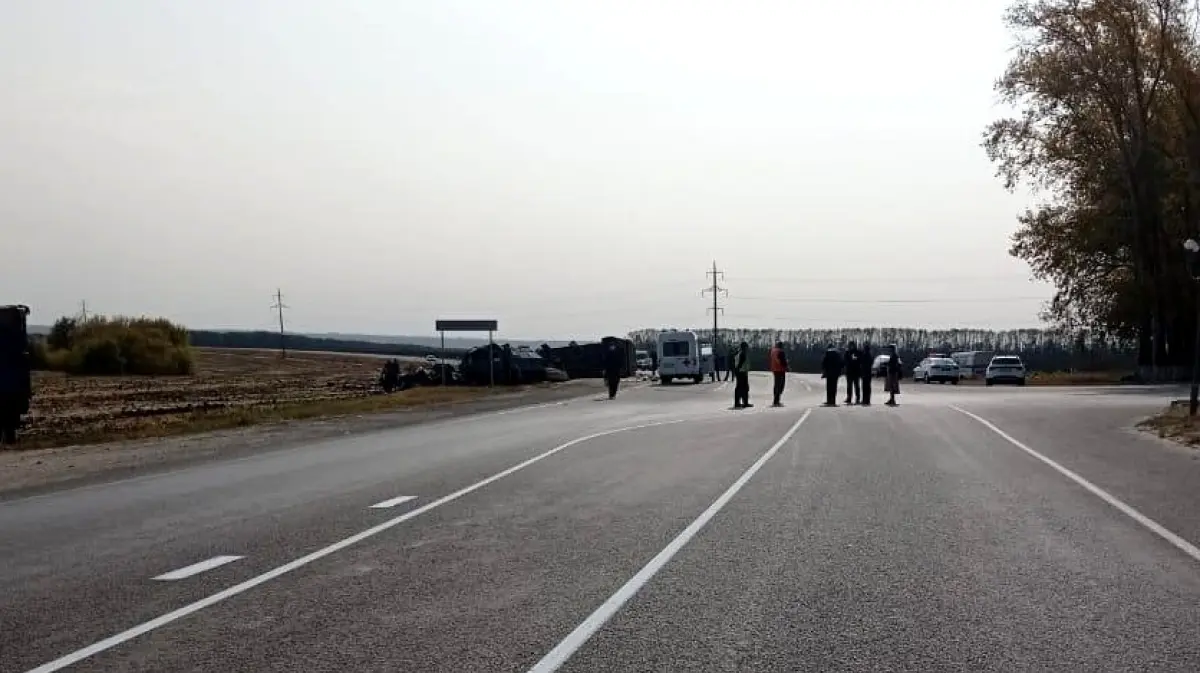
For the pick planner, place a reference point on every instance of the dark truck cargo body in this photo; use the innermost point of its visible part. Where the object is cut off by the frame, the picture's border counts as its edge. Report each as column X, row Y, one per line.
column 16, row 385
column 586, row 361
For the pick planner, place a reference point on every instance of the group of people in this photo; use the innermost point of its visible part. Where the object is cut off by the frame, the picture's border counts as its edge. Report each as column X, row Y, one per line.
column 854, row 363
column 857, row 366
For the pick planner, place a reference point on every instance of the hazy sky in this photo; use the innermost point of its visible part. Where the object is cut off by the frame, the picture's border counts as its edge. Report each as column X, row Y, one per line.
column 571, row 168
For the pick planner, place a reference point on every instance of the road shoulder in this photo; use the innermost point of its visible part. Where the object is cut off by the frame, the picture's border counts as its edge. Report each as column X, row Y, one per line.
column 25, row 473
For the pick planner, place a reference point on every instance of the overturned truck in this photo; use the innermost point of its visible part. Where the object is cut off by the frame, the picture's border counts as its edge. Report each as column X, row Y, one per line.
column 586, row 361
column 505, row 365
column 16, row 386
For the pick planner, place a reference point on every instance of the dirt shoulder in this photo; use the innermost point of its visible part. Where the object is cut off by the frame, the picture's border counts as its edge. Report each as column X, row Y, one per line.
column 1174, row 424
column 33, row 471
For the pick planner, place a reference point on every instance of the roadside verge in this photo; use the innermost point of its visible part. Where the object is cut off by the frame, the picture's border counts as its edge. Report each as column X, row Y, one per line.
column 28, row 472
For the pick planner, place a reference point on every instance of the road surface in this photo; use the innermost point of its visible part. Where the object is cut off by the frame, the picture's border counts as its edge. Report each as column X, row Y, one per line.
column 981, row 529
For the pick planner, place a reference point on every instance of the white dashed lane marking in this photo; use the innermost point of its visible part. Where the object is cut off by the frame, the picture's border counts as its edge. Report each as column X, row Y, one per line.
column 393, row 502
column 197, row 568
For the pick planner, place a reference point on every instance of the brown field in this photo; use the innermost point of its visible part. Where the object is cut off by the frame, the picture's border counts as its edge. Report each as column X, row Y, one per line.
column 230, row 388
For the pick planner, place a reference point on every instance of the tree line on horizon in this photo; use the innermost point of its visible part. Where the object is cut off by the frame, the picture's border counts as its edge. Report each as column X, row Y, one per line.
column 1040, row 349
column 270, row 340
column 1106, row 132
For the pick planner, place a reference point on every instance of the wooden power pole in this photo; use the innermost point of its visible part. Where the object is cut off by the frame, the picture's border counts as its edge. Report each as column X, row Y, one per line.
column 279, row 306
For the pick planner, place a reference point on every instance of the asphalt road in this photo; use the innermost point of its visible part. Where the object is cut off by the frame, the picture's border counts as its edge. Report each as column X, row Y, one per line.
column 983, row 529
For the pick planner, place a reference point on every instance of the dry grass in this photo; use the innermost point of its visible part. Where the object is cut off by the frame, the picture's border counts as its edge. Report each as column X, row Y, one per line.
column 1063, row 379
column 230, row 388
column 1174, row 424
column 1075, row 378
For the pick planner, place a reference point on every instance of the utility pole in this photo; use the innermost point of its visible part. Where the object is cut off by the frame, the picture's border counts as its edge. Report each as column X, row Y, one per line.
column 279, row 306
column 717, row 291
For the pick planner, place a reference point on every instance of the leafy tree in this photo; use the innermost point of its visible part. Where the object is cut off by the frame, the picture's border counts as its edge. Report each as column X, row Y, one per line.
column 1107, row 134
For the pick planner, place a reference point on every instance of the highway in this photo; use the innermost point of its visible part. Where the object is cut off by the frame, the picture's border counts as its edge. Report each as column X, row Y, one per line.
column 971, row 528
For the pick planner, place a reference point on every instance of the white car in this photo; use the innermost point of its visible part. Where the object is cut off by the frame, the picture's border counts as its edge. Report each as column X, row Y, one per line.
column 642, row 358
column 1005, row 369
column 939, row 369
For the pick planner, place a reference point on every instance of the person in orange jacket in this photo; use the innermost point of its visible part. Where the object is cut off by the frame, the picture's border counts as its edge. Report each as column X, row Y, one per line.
column 779, row 368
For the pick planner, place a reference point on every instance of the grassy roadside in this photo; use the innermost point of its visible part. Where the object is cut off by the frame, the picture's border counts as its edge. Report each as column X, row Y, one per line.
column 1064, row 379
column 1174, row 424
column 200, row 421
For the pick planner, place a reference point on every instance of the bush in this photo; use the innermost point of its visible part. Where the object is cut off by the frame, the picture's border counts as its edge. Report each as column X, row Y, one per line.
column 113, row 346
column 39, row 356
column 62, row 335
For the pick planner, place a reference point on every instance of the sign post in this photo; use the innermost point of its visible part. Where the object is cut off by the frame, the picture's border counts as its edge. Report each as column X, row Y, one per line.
column 489, row 326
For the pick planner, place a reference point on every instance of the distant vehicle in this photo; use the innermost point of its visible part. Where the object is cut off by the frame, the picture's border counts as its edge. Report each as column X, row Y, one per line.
column 972, row 363
column 643, row 360
column 432, row 359
column 936, row 369
column 879, row 366
column 679, row 356
column 1005, row 369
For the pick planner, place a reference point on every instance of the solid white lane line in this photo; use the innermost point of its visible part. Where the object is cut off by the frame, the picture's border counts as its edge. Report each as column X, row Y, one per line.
column 574, row 640
column 393, row 502
column 158, row 622
column 197, row 568
column 1180, row 543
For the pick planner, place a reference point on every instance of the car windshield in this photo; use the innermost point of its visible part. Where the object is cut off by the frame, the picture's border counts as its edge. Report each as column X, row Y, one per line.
column 1007, row 361
column 945, row 362
column 675, row 348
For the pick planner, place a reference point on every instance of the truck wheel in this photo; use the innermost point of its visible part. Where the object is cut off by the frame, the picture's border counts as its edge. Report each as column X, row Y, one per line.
column 698, row 379
column 666, row 380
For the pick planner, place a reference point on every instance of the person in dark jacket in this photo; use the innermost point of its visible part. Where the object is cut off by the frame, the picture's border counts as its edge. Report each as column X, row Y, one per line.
column 741, row 370
column 831, row 371
column 865, row 372
column 612, row 368
column 853, row 372
column 894, row 373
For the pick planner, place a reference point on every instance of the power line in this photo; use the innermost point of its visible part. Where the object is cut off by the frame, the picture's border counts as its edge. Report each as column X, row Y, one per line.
column 880, row 279
column 279, row 306
column 942, row 300
column 716, row 291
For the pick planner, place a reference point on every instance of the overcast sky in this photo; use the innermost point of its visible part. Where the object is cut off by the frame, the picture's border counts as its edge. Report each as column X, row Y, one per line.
column 571, row 168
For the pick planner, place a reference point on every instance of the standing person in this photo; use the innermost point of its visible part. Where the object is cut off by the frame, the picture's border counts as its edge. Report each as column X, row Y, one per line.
column 729, row 364
column 865, row 372
column 741, row 389
column 779, row 368
column 831, row 371
column 853, row 372
column 894, row 371
column 612, row 368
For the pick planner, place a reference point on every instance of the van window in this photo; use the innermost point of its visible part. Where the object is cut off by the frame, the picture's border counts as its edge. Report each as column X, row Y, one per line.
column 674, row 349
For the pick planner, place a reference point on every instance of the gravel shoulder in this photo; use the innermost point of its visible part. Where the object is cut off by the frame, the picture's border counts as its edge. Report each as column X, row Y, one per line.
column 24, row 473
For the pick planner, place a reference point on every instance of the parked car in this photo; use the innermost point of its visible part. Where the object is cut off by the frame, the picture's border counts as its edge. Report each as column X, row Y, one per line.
column 642, row 358
column 879, row 366
column 1005, row 369
column 937, row 369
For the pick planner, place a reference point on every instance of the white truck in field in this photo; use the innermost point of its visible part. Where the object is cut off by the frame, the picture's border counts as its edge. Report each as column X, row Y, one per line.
column 679, row 356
